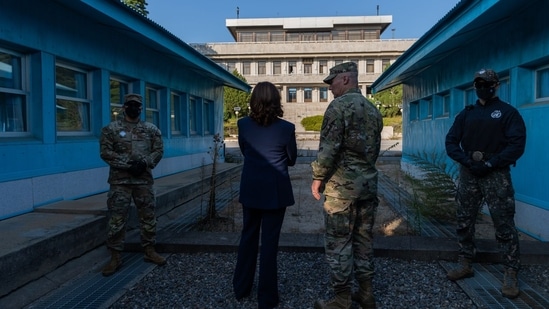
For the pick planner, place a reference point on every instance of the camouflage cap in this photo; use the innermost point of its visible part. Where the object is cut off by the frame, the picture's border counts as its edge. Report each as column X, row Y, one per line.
column 487, row 74
column 340, row 68
column 133, row 97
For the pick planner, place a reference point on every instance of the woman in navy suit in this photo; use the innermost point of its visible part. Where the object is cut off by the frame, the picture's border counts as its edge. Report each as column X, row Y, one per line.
column 268, row 145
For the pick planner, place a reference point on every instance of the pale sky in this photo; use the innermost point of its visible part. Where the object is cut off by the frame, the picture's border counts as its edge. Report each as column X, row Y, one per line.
column 203, row 21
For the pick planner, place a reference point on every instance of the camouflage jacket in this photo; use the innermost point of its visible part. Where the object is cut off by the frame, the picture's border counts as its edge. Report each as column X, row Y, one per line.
column 350, row 140
column 122, row 141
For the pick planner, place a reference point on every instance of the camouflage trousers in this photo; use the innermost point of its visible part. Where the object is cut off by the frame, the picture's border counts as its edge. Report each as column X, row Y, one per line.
column 118, row 202
column 496, row 190
column 349, row 240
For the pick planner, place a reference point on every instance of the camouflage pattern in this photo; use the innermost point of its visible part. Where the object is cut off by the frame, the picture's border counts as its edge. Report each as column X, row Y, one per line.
column 350, row 140
column 497, row 191
column 122, row 141
column 133, row 97
column 118, row 202
column 349, row 240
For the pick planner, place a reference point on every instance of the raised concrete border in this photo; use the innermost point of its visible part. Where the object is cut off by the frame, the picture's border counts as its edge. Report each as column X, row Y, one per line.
column 35, row 244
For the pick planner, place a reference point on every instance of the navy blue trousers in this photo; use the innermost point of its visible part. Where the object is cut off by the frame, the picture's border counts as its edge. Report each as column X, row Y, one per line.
column 269, row 222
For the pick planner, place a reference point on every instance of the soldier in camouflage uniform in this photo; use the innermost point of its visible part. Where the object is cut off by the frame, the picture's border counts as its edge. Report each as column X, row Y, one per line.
column 132, row 148
column 345, row 170
column 486, row 139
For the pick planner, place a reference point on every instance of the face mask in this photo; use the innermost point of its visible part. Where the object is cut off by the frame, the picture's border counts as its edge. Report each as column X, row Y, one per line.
column 485, row 93
column 133, row 111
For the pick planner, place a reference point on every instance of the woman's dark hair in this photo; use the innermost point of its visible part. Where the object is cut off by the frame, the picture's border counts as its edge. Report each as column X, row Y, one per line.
column 265, row 106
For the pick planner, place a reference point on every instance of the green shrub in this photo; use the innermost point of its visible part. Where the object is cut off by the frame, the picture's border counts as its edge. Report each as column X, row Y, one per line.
column 312, row 123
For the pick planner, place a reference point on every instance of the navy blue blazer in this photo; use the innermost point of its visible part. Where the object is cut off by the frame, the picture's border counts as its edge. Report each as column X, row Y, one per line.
column 268, row 151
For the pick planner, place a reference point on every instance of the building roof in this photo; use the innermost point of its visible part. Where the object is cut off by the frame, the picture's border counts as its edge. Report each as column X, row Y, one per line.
column 466, row 21
column 128, row 22
column 308, row 23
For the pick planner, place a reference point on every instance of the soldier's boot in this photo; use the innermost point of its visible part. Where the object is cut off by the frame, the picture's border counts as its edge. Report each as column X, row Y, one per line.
column 465, row 270
column 152, row 257
column 113, row 265
column 365, row 296
column 342, row 300
column 510, row 287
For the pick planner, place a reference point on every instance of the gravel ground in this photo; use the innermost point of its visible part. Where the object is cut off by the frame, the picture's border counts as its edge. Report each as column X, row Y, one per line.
column 204, row 281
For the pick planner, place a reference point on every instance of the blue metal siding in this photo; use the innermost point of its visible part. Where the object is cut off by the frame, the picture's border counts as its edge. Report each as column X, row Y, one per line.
column 79, row 33
column 511, row 37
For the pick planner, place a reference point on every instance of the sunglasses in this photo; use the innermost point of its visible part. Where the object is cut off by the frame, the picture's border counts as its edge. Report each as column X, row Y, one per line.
column 483, row 85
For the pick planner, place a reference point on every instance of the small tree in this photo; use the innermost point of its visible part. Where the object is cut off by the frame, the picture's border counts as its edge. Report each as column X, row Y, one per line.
column 138, row 5
column 233, row 98
column 218, row 145
column 389, row 101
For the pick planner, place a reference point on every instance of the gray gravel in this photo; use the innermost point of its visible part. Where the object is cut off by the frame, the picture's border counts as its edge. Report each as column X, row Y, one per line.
column 203, row 280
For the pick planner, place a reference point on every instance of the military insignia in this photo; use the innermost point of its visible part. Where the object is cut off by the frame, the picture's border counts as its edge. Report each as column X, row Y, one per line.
column 496, row 114
column 122, row 133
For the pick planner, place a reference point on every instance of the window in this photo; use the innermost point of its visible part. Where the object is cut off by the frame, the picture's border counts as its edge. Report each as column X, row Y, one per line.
column 193, row 116
column 446, row 105
column 323, row 36
column 246, row 36
column 308, row 94
column 414, row 111
column 292, row 95
column 208, row 118
column 323, row 91
column 292, row 69
column 338, row 35
column 338, row 61
column 262, row 36
column 277, row 36
column 72, row 103
column 231, row 66
column 118, row 89
column 369, row 66
column 176, row 114
column 293, row 37
column 429, row 105
column 355, row 34
column 308, row 65
column 13, row 100
column 385, row 63
column 323, row 67
column 152, row 113
column 277, row 68
column 542, row 83
column 261, row 67
column 246, row 68
column 308, row 36
column 371, row 34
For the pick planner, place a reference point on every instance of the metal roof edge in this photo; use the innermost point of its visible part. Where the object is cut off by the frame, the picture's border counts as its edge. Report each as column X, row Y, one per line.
column 146, row 27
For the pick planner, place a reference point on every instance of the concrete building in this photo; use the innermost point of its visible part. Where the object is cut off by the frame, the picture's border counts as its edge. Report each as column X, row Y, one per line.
column 508, row 36
column 296, row 54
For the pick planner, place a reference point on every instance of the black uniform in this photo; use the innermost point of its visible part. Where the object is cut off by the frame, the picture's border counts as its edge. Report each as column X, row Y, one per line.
column 497, row 133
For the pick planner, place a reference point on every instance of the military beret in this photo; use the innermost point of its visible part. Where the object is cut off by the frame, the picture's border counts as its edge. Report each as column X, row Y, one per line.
column 340, row 68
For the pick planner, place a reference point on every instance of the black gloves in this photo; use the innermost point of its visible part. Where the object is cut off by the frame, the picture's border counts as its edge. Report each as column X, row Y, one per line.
column 137, row 167
column 479, row 168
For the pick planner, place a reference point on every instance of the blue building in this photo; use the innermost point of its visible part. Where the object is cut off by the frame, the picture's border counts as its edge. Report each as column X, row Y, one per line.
column 509, row 36
column 65, row 66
